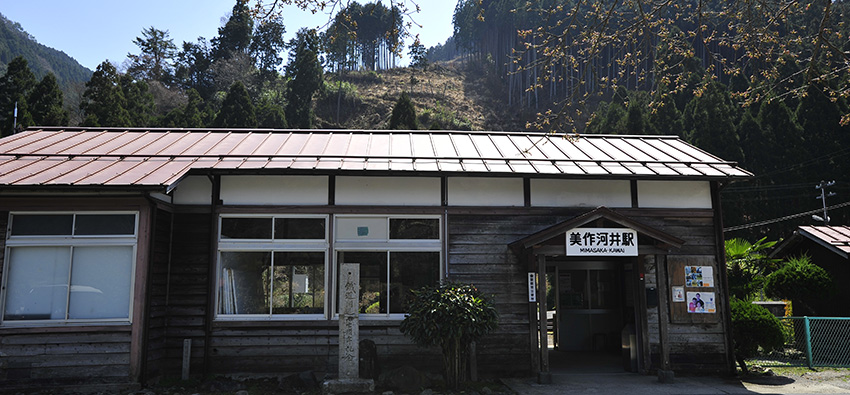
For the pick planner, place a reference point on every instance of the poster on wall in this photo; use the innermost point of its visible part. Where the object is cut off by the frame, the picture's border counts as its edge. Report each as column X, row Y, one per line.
column 699, row 276
column 701, row 303
column 678, row 294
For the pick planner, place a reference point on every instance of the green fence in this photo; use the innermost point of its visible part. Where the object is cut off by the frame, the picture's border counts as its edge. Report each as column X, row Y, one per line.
column 811, row 341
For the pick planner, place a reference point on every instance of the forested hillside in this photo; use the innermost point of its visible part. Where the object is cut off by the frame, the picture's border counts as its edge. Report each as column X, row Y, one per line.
column 15, row 41
column 764, row 83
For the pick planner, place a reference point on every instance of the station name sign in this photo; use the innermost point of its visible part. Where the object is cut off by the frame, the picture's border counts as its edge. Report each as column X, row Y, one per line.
column 602, row 242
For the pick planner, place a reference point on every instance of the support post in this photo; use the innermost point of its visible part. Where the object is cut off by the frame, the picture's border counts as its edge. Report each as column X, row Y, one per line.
column 545, row 376
column 187, row 358
column 808, row 331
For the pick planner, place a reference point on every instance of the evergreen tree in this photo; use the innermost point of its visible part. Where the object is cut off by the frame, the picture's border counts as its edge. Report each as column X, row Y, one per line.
column 103, row 100
column 778, row 125
column 138, row 101
column 305, row 78
column 710, row 123
column 46, row 103
column 418, row 55
column 404, row 114
column 237, row 111
column 271, row 116
column 15, row 87
column 235, row 35
column 155, row 61
column 266, row 46
column 193, row 68
column 666, row 119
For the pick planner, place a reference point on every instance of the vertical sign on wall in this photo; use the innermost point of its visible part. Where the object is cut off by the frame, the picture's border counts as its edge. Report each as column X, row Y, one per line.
column 532, row 287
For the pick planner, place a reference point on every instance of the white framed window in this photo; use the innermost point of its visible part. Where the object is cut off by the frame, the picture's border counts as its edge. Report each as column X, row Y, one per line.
column 396, row 253
column 272, row 266
column 69, row 267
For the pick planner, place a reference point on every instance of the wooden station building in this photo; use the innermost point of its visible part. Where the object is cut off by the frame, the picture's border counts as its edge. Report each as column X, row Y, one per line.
column 124, row 249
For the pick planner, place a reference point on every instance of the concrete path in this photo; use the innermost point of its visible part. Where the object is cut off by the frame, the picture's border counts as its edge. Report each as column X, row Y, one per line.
column 635, row 384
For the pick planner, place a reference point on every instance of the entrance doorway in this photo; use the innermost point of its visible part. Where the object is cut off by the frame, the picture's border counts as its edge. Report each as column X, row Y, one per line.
column 592, row 312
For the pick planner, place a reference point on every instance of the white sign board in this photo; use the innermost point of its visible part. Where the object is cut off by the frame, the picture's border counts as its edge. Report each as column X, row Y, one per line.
column 602, row 242
column 532, row 287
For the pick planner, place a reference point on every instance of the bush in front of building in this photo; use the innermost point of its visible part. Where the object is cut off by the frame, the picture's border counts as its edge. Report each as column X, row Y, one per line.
column 753, row 326
column 802, row 282
column 450, row 316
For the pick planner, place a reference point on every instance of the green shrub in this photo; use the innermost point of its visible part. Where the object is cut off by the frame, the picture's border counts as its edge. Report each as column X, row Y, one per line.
column 450, row 316
column 753, row 326
column 404, row 114
column 801, row 281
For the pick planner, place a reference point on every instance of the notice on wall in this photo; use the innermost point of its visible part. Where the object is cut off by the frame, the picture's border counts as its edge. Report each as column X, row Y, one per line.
column 699, row 276
column 602, row 242
column 678, row 294
column 701, row 303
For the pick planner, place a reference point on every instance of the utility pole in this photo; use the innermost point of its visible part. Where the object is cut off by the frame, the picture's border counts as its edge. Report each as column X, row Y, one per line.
column 823, row 195
column 15, row 118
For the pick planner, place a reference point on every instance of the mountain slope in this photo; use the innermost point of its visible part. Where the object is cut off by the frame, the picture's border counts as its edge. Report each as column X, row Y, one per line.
column 15, row 41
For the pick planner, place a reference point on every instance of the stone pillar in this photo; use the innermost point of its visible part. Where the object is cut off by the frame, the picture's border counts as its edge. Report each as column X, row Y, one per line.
column 349, row 336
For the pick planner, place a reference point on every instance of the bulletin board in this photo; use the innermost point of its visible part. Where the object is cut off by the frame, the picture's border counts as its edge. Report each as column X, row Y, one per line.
column 693, row 289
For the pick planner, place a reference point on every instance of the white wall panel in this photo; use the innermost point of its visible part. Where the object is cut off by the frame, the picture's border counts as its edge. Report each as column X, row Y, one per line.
column 580, row 193
column 483, row 191
column 391, row 191
column 274, row 190
column 193, row 190
column 674, row 194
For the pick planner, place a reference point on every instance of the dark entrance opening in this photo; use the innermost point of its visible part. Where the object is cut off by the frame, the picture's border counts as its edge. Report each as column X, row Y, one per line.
column 591, row 313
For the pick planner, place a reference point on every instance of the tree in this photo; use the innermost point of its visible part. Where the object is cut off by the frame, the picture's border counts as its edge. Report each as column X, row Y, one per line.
column 15, row 87
column 103, row 100
column 155, row 61
column 746, row 266
column 271, row 116
column 802, row 282
column 753, row 326
column 451, row 316
column 266, row 46
column 235, row 35
column 193, row 68
column 46, row 103
column 305, row 78
column 594, row 46
column 404, row 114
column 138, row 101
column 709, row 121
column 418, row 55
column 237, row 111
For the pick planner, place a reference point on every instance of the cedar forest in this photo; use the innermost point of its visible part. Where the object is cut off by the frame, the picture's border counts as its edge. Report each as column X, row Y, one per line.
column 763, row 83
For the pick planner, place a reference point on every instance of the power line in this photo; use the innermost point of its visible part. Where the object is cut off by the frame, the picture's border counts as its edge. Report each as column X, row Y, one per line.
column 785, row 218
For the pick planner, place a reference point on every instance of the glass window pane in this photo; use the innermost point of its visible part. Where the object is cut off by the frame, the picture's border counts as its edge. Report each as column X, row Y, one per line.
column 244, row 283
column 299, row 283
column 37, row 287
column 100, row 282
column 373, row 279
column 41, row 224
column 299, row 228
column 415, row 228
column 411, row 271
column 603, row 293
column 573, row 289
column 246, row 228
column 105, row 224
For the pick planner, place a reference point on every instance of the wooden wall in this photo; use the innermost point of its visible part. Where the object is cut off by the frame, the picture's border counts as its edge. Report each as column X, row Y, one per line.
column 156, row 325
column 61, row 355
column 696, row 342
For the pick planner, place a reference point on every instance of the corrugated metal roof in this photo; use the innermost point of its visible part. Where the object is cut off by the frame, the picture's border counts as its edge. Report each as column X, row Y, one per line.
column 836, row 238
column 159, row 157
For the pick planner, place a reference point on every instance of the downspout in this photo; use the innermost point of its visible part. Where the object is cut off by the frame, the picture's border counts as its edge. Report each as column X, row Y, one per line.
column 720, row 251
column 215, row 201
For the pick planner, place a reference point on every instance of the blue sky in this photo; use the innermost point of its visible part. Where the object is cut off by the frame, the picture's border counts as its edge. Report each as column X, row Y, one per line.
column 92, row 31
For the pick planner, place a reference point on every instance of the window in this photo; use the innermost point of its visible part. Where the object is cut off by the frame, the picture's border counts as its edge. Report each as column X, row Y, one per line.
column 68, row 267
column 396, row 255
column 278, row 267
column 272, row 266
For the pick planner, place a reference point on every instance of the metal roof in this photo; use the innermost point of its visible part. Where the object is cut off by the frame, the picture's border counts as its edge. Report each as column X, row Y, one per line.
column 154, row 158
column 834, row 238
